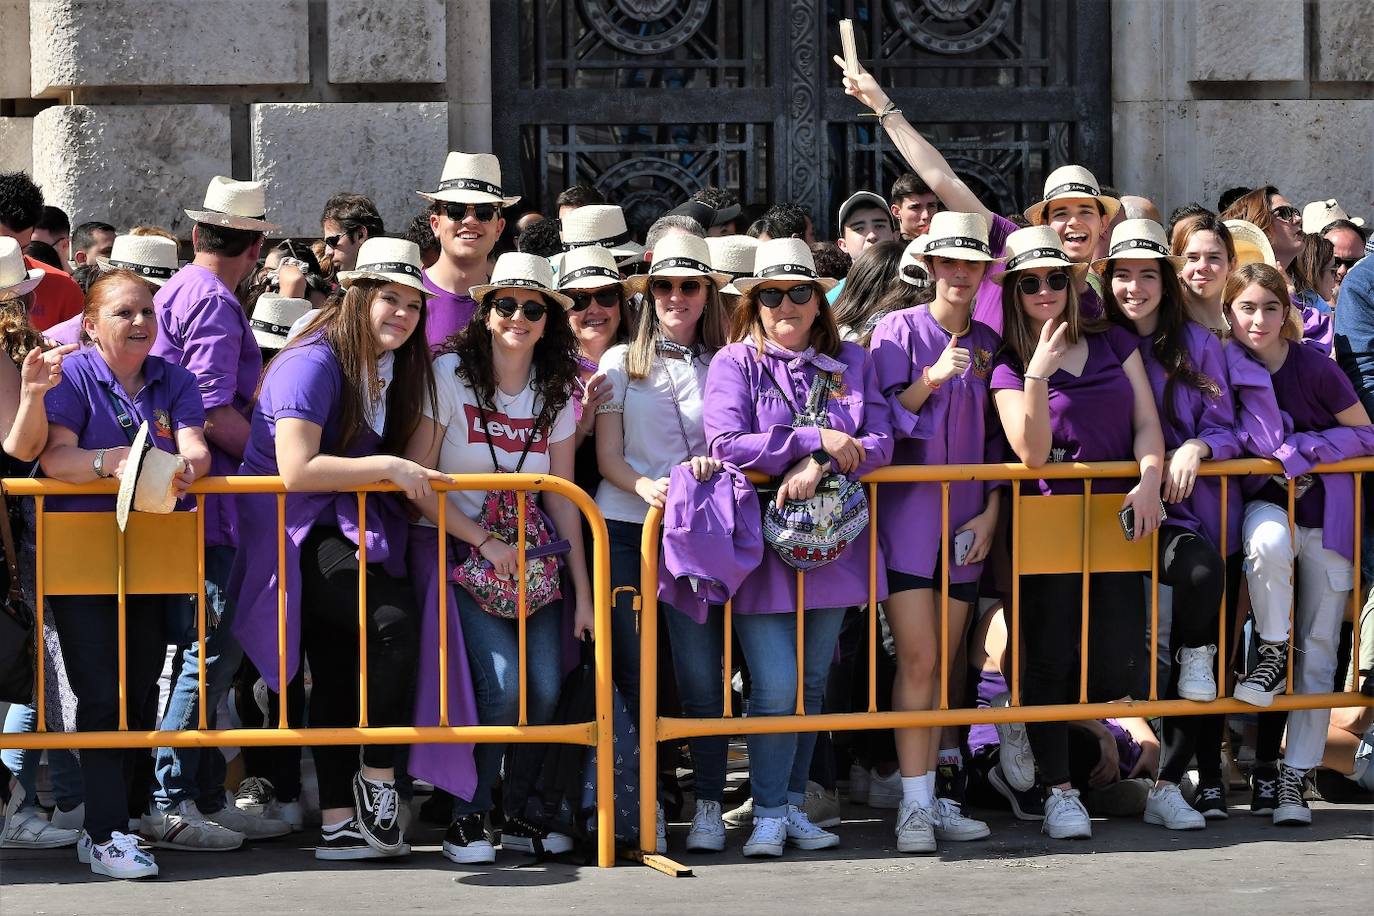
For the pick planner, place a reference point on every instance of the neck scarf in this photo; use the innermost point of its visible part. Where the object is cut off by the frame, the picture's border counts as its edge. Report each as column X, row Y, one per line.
column 796, row 361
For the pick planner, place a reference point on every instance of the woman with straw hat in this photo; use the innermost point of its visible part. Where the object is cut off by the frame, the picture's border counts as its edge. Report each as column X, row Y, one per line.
column 1062, row 385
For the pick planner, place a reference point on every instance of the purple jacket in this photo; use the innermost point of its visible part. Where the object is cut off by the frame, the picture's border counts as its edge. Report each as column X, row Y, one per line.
column 1301, row 452
column 712, row 539
column 1259, row 429
column 749, row 424
column 1317, row 328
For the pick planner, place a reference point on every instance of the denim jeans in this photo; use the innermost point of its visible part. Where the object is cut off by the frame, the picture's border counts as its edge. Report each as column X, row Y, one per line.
column 625, row 542
column 193, row 773
column 63, row 768
column 778, row 764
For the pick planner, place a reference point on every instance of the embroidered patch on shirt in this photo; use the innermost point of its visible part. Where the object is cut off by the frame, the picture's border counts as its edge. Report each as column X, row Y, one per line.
column 1058, row 454
column 982, row 362
column 162, row 423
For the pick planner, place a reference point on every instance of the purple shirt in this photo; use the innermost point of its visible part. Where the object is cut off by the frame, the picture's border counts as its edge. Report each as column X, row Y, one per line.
column 950, row 428
column 66, row 332
column 749, row 424
column 201, row 327
column 1318, row 330
column 1090, row 414
column 446, row 313
column 81, row 402
column 987, row 305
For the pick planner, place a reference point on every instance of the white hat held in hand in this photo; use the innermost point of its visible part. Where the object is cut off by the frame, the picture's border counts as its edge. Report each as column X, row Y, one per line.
column 784, row 259
column 515, row 270
column 152, row 257
column 1072, row 182
column 470, row 178
column 146, row 484
column 234, row 205
column 388, row 260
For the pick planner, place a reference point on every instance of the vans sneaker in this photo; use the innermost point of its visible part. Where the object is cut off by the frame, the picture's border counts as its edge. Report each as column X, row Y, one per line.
column 768, row 839
column 379, row 813
column 466, row 842
column 1197, row 673
column 1065, row 816
column 1166, row 807
column 708, row 828
column 346, row 843
column 1268, row 678
column 120, row 857
column 916, row 828
column 1292, row 807
column 803, row 834
column 184, row 827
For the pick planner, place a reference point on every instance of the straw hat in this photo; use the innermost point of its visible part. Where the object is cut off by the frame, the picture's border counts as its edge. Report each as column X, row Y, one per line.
column 1036, row 246
column 599, row 224
column 1072, row 182
column 388, row 260
column 515, row 270
column 910, row 268
column 962, row 236
column 152, row 257
column 1251, row 243
column 784, row 259
column 858, row 199
column 589, row 267
column 679, row 256
column 16, row 279
column 273, row 317
column 146, row 485
column 470, row 178
column 1142, row 239
column 733, row 255
column 1319, row 214
column 234, row 205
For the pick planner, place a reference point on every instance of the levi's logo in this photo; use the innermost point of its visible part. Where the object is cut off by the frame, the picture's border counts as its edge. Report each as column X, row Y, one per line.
column 506, row 434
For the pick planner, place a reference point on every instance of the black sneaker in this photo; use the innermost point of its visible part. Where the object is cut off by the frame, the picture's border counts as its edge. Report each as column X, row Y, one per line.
column 1210, row 800
column 379, row 814
column 466, row 842
column 344, row 843
column 951, row 782
column 1027, row 806
column 1264, row 789
column 1268, row 678
column 1292, row 807
column 520, row 835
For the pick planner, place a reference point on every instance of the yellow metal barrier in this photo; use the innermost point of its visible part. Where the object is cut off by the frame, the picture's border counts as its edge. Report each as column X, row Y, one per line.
column 166, row 555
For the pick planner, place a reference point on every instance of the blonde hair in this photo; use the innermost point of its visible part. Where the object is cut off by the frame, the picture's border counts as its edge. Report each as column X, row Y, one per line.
column 710, row 329
column 17, row 335
column 154, row 232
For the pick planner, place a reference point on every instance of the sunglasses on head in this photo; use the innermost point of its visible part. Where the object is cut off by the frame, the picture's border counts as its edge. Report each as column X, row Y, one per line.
column 606, row 298
column 485, row 213
column 771, row 297
column 1030, row 285
column 1288, row 214
column 506, row 307
column 663, row 287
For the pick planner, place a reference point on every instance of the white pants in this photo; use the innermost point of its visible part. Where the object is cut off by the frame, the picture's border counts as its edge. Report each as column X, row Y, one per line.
column 1325, row 579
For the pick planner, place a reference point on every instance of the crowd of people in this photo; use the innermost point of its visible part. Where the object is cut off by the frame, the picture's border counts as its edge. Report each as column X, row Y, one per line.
column 932, row 331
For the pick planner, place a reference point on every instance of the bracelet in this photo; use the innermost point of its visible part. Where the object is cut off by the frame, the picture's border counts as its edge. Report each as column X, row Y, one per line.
column 490, row 535
column 1038, row 378
column 928, row 381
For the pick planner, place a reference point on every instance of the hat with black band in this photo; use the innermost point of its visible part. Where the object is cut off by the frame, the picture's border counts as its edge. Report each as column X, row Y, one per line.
column 1072, row 182
column 778, row 260
column 151, row 257
column 517, row 270
column 1138, row 239
column 961, row 236
column 599, row 224
column 1037, row 247
column 470, row 178
column 273, row 317
column 388, row 260
column 589, row 267
column 679, row 256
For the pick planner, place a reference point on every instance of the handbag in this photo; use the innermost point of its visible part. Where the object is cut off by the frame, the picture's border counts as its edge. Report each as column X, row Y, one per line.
column 808, row 533
column 18, row 652
column 499, row 515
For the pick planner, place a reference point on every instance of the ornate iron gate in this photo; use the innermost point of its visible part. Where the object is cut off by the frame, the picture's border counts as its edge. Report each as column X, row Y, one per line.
column 651, row 99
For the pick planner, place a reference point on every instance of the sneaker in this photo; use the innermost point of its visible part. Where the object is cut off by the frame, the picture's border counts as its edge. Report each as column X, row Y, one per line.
column 952, row 824
column 885, row 791
column 1264, row 790
column 1197, row 673
column 660, row 829
column 1292, row 807
column 346, row 843
column 29, row 829
column 768, row 839
column 254, row 795
column 83, row 848
column 743, row 816
column 1065, row 816
column 466, row 842
column 519, row 835
column 822, row 807
column 1268, row 678
column 916, row 828
column 1026, row 804
column 69, row 820
column 803, row 834
column 1210, row 800
column 184, row 827
column 379, row 813
column 708, row 828
column 1166, row 807
column 858, row 784
column 1014, row 752
column 253, row 827
column 120, row 857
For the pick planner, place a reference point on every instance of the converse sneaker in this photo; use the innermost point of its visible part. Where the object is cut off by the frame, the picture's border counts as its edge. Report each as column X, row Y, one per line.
column 253, row 827
column 858, row 784
column 952, row 824
column 743, row 816
column 1264, row 794
column 822, row 807
column 1210, row 800
column 884, row 791
column 803, row 834
column 1014, row 752
column 1065, row 816
column 519, row 835
column 916, row 828
column 1166, row 807
column 768, row 839
column 1292, row 807
column 1026, row 804
column 29, row 829
column 708, row 828
column 1197, row 673
column 184, row 827
column 120, row 857
column 379, row 813
column 1268, row 678
column 345, row 843
column 254, row 795
column 466, row 842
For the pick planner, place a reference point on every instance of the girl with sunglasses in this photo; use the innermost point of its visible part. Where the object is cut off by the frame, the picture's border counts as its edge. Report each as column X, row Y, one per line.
column 1069, row 388
column 652, row 422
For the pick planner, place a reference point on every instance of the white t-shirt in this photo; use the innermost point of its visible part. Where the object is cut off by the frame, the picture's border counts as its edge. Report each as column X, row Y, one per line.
column 464, row 449
column 654, row 439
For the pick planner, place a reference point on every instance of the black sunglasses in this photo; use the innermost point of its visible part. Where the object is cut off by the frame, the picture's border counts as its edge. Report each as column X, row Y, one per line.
column 1288, row 214
column 506, row 307
column 333, row 240
column 606, row 298
column 1348, row 263
column 1030, row 285
column 665, row 287
column 485, row 213
column 771, row 297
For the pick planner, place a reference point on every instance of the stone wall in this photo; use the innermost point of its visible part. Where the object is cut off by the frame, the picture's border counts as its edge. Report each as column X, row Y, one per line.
column 1211, row 95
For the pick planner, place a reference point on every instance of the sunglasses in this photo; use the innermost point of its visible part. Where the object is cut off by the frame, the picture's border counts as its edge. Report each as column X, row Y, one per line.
column 1288, row 214
column 665, row 287
column 332, row 241
column 506, row 307
column 485, row 213
column 1347, row 263
column 771, row 297
column 1030, row 285
column 606, row 298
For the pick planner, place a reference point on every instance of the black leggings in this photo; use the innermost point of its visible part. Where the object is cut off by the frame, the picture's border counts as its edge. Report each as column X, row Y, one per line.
column 280, row 766
column 1210, row 728
column 329, row 638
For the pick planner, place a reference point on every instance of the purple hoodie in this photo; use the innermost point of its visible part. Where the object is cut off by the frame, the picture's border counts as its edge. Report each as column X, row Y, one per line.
column 712, row 539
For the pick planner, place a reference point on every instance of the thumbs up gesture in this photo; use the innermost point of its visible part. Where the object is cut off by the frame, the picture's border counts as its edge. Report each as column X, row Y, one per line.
column 953, row 360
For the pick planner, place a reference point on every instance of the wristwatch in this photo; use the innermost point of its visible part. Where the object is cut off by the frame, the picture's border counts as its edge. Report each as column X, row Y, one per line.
column 821, row 457
column 99, row 463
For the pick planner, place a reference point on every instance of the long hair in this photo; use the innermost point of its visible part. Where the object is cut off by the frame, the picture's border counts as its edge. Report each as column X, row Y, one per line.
column 1271, row 278
column 899, row 296
column 1017, row 337
column 1253, row 207
column 747, row 325
column 1317, row 254
column 17, row 335
column 710, row 329
column 1189, row 226
column 873, row 275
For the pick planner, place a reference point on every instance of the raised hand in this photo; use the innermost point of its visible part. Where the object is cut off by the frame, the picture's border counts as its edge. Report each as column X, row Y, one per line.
column 953, row 362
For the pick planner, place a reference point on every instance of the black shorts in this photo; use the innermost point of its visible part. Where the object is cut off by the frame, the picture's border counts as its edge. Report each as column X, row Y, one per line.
column 904, row 582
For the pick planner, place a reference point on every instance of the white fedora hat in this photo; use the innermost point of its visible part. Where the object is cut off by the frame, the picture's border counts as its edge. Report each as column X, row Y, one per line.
column 961, row 236
column 589, row 267
column 1319, row 214
column 599, row 224
column 152, row 257
column 1252, row 245
column 1036, row 246
column 784, row 259
column 16, row 279
column 679, row 256
column 1139, row 239
column 910, row 269
column 515, row 270
column 388, row 260
column 733, row 255
column 1072, row 182
column 234, row 205
column 470, row 178
column 146, row 485
column 273, row 317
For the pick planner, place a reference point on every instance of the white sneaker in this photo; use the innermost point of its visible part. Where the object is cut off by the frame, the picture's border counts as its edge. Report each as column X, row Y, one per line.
column 660, row 830
column 743, row 816
column 257, row 797
column 120, row 857
column 184, row 827
column 708, row 828
column 1065, row 816
column 253, row 827
column 916, row 828
column 858, row 784
column 953, row 824
column 885, row 791
column 1014, row 750
column 69, row 820
column 822, row 807
column 1167, row 807
column 1197, row 673
column 803, row 834
column 29, row 829
column 768, row 839
column 83, row 848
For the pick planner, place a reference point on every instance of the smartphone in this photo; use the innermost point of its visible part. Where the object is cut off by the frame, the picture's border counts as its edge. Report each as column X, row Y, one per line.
column 963, row 543
column 1127, row 516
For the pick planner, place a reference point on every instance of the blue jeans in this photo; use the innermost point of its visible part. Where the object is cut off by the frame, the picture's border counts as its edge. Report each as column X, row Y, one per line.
column 63, row 768
column 779, row 764
column 624, row 618
column 193, row 773
column 493, row 646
